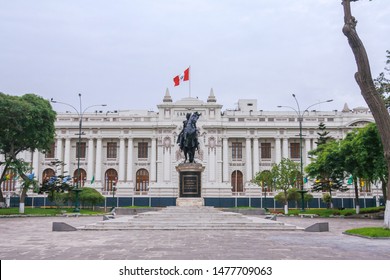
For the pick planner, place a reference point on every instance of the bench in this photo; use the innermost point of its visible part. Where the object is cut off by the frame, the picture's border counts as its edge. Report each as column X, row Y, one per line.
column 307, row 215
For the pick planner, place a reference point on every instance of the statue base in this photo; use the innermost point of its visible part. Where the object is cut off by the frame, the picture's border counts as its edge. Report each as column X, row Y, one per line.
column 190, row 179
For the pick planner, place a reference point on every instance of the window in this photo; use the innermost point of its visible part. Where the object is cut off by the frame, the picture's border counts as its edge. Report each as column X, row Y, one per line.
column 111, row 149
column 142, row 180
column 111, row 179
column 236, row 151
column 237, row 181
column 80, row 150
column 79, row 180
column 50, row 153
column 143, row 150
column 47, row 174
column 266, row 150
column 295, row 150
column 9, row 183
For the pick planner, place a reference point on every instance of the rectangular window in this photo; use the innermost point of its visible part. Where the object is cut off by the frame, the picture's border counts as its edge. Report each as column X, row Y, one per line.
column 295, row 150
column 143, row 150
column 266, row 150
column 51, row 152
column 111, row 150
column 80, row 150
column 237, row 151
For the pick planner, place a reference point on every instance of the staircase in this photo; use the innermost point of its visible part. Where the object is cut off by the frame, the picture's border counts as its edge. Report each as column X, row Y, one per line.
column 189, row 218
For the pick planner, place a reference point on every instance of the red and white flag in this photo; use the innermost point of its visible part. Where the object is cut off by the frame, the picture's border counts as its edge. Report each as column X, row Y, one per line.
column 185, row 76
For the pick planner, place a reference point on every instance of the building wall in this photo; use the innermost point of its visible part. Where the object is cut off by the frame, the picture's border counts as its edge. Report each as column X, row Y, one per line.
column 219, row 131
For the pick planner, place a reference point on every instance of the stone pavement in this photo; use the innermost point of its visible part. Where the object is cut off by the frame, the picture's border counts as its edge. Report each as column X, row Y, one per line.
column 33, row 239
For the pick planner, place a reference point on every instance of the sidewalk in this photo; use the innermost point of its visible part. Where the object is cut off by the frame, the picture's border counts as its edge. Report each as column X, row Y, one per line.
column 33, row 239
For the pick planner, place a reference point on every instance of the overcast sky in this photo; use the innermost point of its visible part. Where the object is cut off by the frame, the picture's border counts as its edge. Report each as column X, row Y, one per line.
column 125, row 53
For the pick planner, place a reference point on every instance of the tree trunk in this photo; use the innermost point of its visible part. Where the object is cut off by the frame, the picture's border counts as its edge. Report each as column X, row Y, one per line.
column 373, row 99
column 357, row 203
column 384, row 189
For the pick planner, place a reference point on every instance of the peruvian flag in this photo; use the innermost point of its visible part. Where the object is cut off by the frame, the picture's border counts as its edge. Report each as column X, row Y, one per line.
column 185, row 76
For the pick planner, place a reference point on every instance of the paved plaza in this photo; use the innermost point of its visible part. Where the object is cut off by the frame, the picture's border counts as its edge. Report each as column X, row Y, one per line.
column 33, row 239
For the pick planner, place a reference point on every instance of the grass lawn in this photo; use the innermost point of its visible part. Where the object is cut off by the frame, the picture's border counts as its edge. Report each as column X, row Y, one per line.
column 370, row 232
column 45, row 211
column 336, row 212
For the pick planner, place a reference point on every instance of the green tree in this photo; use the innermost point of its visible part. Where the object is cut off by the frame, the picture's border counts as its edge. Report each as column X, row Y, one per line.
column 327, row 168
column 264, row 179
column 322, row 135
column 285, row 174
column 90, row 197
column 368, row 90
column 374, row 165
column 58, row 186
column 382, row 83
column 26, row 123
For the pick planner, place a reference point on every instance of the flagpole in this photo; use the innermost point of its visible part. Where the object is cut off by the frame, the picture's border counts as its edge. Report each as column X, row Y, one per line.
column 189, row 80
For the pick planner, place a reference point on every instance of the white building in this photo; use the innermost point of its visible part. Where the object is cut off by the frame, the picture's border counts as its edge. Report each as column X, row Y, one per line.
column 136, row 151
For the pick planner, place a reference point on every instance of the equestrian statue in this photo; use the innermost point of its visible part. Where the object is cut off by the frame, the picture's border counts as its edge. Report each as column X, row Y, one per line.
column 188, row 137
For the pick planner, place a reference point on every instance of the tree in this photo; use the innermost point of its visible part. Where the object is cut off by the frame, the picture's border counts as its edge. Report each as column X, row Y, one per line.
column 368, row 150
column 26, row 123
column 264, row 179
column 322, row 134
column 285, row 174
column 382, row 83
column 327, row 168
column 58, row 186
column 352, row 165
column 368, row 90
column 90, row 196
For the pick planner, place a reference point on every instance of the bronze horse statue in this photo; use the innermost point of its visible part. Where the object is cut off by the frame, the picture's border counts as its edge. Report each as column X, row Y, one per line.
column 188, row 137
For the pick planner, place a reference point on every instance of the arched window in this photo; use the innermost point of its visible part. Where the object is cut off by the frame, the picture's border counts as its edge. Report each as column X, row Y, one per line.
column 83, row 177
column 10, row 181
column 111, row 178
column 142, row 180
column 237, row 181
column 47, row 174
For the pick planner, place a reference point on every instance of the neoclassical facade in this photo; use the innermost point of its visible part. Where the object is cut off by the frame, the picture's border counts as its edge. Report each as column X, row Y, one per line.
column 135, row 153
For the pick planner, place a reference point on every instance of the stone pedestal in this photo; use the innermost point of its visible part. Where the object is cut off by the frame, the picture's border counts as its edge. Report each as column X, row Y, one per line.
column 190, row 179
column 190, row 183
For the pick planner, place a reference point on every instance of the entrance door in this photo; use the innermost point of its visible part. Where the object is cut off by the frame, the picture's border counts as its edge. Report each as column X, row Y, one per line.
column 237, row 181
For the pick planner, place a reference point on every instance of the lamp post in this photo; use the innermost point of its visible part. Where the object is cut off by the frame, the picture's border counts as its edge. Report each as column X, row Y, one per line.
column 80, row 113
column 300, row 115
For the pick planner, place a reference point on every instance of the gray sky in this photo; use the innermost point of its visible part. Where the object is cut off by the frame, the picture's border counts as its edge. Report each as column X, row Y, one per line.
column 126, row 52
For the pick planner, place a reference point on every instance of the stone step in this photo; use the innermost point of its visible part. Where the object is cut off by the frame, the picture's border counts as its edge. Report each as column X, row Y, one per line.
column 189, row 218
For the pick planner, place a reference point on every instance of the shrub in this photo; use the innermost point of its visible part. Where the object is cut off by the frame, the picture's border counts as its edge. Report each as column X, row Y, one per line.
column 90, row 197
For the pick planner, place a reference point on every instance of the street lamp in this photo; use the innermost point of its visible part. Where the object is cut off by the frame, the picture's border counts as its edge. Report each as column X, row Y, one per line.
column 80, row 113
column 300, row 115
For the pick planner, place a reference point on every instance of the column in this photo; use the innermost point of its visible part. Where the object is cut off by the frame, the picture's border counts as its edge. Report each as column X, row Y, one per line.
column 225, row 166
column 248, row 161
column 278, row 155
column 99, row 150
column 67, row 157
column 122, row 163
column 36, row 156
column 130, row 160
column 166, row 162
column 153, row 160
column 59, row 149
column 91, row 152
column 212, row 161
column 59, row 156
column 285, row 147
column 255, row 156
